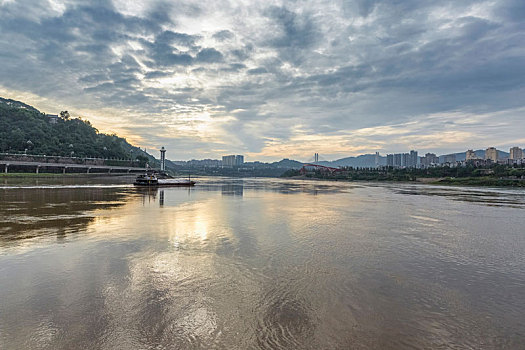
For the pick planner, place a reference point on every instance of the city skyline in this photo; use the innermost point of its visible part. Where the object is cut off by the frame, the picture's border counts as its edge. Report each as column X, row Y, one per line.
column 281, row 78
column 412, row 156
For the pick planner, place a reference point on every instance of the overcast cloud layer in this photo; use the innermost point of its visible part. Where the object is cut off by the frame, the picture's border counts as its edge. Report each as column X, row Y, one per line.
column 273, row 79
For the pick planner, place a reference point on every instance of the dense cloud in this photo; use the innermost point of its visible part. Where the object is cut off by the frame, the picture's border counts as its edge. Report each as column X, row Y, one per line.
column 280, row 78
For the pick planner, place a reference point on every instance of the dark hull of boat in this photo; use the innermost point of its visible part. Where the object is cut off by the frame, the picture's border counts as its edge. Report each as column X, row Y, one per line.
column 146, row 184
column 183, row 184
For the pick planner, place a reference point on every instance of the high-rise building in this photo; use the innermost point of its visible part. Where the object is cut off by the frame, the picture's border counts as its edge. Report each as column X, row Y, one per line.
column 429, row 159
column 470, row 155
column 449, row 158
column 516, row 153
column 412, row 163
column 402, row 160
column 397, row 159
column 239, row 160
column 232, row 160
column 491, row 154
column 228, row 161
column 390, row 160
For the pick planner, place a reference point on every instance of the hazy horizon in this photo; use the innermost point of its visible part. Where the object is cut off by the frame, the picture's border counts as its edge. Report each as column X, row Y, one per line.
column 277, row 79
column 322, row 159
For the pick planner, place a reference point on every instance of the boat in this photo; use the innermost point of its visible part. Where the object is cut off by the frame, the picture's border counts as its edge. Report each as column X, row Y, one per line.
column 175, row 182
column 151, row 179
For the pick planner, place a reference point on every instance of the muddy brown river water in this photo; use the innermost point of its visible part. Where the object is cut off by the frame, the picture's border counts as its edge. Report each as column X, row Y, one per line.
column 260, row 264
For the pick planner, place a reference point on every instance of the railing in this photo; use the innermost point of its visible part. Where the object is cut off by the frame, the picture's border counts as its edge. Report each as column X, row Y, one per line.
column 68, row 160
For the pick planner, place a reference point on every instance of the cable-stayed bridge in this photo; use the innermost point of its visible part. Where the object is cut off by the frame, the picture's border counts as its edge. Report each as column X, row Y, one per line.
column 316, row 158
column 314, row 164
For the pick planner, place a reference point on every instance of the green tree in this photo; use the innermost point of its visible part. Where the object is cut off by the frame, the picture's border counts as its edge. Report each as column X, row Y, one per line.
column 65, row 115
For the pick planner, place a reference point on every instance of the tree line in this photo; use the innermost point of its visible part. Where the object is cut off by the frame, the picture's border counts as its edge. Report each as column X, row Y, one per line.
column 494, row 174
column 26, row 130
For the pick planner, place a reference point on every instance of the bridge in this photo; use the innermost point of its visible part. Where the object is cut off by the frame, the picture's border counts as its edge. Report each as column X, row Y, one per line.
column 65, row 166
column 315, row 160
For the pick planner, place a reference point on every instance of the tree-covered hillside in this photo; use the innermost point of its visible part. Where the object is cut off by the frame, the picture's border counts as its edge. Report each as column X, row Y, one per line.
column 23, row 128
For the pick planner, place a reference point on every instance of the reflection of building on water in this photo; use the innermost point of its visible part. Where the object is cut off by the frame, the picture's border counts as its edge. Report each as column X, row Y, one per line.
column 232, row 189
column 161, row 198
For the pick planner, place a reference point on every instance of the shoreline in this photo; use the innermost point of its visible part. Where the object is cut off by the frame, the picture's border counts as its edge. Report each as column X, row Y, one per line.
column 57, row 175
column 444, row 181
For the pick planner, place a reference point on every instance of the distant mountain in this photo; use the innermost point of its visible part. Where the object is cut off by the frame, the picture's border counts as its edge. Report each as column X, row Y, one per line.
column 369, row 160
column 362, row 161
column 287, row 163
column 23, row 127
column 171, row 165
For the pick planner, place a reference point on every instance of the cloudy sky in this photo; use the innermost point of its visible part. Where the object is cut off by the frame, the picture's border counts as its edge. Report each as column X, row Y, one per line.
column 273, row 79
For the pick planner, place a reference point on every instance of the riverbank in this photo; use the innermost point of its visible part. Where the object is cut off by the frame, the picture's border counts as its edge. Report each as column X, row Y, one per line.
column 481, row 181
column 463, row 181
column 33, row 179
column 60, row 175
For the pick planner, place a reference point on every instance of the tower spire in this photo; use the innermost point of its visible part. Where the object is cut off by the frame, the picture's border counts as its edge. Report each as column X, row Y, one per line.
column 162, row 159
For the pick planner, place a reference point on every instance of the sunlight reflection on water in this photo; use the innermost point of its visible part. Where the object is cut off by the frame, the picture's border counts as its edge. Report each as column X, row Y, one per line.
column 261, row 263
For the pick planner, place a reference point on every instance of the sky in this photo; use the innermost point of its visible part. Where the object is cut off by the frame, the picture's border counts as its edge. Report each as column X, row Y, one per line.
column 275, row 79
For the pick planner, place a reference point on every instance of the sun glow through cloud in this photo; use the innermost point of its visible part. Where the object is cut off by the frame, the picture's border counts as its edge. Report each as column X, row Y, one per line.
column 273, row 80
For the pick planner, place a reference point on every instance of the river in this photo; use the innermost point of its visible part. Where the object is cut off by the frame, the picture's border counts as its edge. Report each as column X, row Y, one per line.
column 260, row 264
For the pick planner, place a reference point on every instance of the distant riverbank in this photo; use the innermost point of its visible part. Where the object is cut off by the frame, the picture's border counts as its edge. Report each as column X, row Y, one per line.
column 464, row 181
column 482, row 181
column 458, row 181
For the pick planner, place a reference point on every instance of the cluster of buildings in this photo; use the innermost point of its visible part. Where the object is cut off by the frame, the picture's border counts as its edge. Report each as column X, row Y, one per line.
column 230, row 161
column 200, row 163
column 491, row 156
column 398, row 160
column 403, row 160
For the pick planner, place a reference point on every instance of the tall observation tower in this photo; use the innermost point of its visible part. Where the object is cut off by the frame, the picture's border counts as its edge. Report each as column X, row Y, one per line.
column 162, row 159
